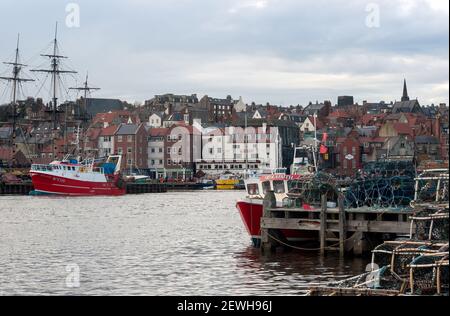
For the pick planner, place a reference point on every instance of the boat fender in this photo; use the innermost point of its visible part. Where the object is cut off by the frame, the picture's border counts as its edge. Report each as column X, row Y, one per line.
column 120, row 183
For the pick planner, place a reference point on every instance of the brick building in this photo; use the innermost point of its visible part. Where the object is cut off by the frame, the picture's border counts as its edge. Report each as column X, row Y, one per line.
column 131, row 141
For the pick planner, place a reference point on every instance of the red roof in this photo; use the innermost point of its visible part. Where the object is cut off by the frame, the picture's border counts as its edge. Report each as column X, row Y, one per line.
column 340, row 114
column 6, row 153
column 111, row 116
column 108, row 131
column 403, row 129
column 369, row 118
column 373, row 139
column 155, row 132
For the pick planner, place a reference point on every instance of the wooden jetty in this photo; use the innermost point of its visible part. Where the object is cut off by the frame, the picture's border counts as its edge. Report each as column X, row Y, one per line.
column 338, row 229
column 26, row 188
column 144, row 188
column 16, row 188
column 331, row 291
column 183, row 186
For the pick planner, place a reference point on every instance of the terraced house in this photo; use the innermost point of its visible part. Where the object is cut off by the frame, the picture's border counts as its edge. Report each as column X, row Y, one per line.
column 130, row 141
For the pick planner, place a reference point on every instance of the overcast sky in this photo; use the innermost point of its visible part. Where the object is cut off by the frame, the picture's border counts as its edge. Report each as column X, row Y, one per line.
column 279, row 51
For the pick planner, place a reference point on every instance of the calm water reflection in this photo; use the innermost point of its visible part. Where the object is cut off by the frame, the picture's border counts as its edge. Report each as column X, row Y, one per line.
column 190, row 243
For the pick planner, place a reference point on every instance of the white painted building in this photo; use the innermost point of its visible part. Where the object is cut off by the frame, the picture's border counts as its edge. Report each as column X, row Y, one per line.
column 308, row 126
column 155, row 120
column 240, row 105
column 106, row 141
column 156, row 150
column 239, row 152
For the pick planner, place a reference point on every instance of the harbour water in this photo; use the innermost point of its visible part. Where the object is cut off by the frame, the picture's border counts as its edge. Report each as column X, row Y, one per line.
column 186, row 243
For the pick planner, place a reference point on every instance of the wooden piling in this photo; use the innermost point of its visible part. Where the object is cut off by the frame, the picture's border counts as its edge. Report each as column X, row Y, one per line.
column 323, row 224
column 342, row 225
column 268, row 204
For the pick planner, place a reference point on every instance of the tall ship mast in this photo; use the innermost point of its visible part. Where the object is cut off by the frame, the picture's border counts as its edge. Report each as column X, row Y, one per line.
column 86, row 89
column 56, row 72
column 16, row 82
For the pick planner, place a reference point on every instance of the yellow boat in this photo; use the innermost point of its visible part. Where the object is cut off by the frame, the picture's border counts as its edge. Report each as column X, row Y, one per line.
column 227, row 182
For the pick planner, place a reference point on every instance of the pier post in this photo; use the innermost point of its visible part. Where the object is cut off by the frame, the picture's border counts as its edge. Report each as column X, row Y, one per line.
column 342, row 225
column 323, row 224
column 269, row 203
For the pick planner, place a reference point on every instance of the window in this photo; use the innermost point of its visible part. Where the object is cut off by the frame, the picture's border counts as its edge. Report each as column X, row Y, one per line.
column 278, row 186
column 153, row 150
column 120, row 150
column 153, row 162
column 266, row 187
column 169, row 162
column 130, row 138
column 219, row 150
column 119, row 139
column 211, row 151
column 169, row 150
column 130, row 162
column 160, row 162
column 129, row 150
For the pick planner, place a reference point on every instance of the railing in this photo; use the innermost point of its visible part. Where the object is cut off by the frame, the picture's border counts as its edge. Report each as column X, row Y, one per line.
column 82, row 169
column 42, row 168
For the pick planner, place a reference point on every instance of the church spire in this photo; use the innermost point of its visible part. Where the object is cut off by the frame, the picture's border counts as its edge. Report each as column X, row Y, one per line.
column 405, row 96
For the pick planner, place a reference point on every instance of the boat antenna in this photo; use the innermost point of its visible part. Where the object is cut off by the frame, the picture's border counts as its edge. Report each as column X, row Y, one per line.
column 16, row 81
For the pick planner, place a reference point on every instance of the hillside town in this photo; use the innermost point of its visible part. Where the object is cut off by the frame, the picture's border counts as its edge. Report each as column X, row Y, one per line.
column 184, row 136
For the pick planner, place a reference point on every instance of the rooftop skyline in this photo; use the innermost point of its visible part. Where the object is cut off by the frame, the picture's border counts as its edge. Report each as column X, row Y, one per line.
column 279, row 51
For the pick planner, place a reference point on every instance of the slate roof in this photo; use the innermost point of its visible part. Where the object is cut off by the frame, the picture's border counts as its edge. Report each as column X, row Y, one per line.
column 95, row 106
column 127, row 129
column 5, row 132
column 175, row 117
column 405, row 106
column 427, row 140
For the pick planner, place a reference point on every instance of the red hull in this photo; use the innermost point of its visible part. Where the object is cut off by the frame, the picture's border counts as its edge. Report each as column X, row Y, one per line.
column 49, row 184
column 251, row 214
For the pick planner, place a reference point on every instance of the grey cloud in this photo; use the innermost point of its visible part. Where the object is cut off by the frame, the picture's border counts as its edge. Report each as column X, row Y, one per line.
column 265, row 52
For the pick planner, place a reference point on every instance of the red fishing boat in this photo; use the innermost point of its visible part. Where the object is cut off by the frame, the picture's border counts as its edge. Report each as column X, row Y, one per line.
column 251, row 208
column 70, row 178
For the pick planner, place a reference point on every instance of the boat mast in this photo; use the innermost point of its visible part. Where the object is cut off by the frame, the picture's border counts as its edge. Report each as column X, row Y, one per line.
column 86, row 89
column 16, row 80
column 55, row 71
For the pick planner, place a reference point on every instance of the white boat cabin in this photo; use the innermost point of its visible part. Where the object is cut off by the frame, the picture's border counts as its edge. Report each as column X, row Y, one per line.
column 280, row 184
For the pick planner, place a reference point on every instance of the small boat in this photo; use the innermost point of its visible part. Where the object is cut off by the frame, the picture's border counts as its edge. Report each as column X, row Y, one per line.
column 136, row 178
column 70, row 178
column 227, row 182
column 251, row 207
column 207, row 184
